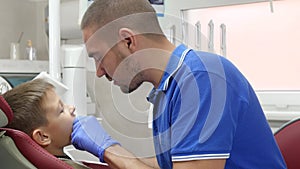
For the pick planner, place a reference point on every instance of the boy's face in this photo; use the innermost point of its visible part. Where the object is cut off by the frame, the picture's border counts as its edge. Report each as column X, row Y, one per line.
column 60, row 120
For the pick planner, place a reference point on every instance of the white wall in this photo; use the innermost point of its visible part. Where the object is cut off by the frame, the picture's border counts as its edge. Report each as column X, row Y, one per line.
column 173, row 9
column 18, row 16
column 264, row 45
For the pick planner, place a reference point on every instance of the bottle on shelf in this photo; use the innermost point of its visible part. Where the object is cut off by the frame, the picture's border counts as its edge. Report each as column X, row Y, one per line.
column 30, row 51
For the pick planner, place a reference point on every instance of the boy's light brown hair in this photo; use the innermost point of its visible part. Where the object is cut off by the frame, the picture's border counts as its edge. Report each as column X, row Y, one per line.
column 26, row 101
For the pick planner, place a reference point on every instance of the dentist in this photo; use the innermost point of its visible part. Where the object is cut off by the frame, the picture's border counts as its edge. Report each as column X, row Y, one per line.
column 206, row 114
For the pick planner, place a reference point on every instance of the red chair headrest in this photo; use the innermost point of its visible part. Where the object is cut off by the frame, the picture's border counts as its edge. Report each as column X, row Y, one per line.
column 6, row 114
column 34, row 153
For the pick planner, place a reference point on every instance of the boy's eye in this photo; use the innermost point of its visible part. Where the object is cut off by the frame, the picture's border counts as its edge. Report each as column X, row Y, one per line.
column 62, row 108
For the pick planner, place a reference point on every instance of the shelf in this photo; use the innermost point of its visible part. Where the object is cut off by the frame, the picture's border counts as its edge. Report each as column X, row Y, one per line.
column 23, row 66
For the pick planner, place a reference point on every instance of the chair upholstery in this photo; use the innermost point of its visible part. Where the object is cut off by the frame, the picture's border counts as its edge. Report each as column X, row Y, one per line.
column 288, row 139
column 34, row 153
column 6, row 114
column 10, row 155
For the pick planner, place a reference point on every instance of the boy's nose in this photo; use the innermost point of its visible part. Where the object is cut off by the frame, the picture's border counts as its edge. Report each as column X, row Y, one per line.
column 72, row 110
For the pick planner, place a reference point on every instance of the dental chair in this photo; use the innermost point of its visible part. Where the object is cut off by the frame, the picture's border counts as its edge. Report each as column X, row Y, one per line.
column 288, row 139
column 19, row 151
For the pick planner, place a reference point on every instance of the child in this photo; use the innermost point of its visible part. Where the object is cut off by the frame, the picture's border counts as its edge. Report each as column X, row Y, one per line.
column 39, row 112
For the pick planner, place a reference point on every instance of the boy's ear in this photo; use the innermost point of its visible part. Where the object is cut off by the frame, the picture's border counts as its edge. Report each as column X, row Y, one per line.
column 41, row 137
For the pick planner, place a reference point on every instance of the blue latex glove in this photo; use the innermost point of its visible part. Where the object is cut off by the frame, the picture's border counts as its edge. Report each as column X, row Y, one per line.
column 89, row 135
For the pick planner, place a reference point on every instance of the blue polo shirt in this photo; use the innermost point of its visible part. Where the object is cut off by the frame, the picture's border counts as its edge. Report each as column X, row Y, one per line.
column 204, row 108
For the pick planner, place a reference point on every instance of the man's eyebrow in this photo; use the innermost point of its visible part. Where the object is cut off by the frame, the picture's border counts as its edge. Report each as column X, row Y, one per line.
column 91, row 54
column 95, row 55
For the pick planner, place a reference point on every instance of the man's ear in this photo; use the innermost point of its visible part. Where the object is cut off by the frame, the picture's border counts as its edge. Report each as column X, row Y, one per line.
column 127, row 37
column 41, row 137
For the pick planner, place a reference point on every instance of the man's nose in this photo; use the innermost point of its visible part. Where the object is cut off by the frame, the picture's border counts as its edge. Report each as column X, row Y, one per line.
column 100, row 72
column 99, row 69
